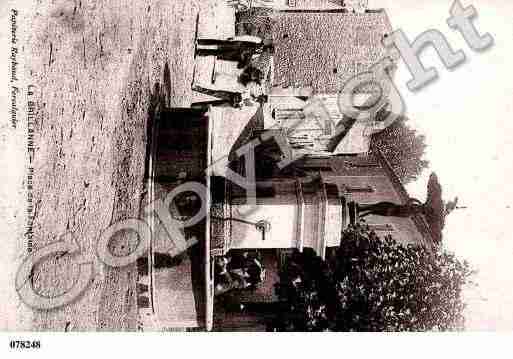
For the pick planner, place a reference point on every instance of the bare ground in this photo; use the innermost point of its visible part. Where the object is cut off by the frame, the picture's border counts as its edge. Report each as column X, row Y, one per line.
column 95, row 64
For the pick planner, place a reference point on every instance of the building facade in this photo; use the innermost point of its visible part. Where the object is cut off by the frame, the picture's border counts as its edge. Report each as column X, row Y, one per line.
column 309, row 208
column 306, row 204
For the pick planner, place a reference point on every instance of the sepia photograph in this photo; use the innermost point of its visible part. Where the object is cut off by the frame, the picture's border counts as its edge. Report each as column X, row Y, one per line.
column 255, row 166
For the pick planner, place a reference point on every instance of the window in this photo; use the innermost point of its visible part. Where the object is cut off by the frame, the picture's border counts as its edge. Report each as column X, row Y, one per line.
column 381, row 227
column 359, row 189
column 317, row 165
column 310, row 162
column 361, row 67
column 262, row 191
column 362, row 162
column 318, row 168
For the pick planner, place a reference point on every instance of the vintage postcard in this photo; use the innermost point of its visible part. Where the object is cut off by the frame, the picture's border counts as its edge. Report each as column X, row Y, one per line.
column 256, row 166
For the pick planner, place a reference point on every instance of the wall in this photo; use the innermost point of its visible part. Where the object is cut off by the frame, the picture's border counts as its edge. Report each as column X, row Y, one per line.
column 368, row 172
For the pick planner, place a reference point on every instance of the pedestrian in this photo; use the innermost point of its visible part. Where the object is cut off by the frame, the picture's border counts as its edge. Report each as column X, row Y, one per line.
column 240, row 48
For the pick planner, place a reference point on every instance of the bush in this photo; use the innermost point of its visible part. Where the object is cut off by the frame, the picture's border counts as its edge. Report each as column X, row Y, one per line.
column 373, row 284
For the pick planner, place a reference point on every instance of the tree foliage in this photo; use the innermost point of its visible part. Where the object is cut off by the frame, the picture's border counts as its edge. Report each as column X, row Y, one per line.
column 404, row 148
column 372, row 284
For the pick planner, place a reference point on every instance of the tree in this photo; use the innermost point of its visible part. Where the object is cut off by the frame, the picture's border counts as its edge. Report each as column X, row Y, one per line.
column 404, row 148
column 372, row 284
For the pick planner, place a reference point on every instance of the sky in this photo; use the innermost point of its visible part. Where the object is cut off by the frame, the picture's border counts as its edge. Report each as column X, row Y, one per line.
column 466, row 116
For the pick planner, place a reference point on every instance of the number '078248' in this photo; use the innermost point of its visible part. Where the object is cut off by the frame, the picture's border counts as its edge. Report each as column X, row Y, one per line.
column 25, row 344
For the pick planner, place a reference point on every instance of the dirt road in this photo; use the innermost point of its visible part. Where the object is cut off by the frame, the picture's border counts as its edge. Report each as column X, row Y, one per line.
column 94, row 65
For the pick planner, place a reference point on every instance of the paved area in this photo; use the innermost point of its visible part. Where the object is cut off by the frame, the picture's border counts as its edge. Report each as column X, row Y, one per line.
column 94, row 64
column 175, row 305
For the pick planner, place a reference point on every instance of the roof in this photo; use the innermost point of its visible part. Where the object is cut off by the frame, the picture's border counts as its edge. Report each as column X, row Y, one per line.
column 324, row 49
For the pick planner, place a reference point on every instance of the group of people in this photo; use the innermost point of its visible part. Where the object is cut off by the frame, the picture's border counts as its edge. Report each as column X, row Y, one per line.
column 238, row 270
column 251, row 54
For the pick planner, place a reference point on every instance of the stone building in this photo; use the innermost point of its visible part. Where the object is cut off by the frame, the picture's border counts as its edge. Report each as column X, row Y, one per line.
column 316, row 53
column 307, row 207
column 319, row 47
column 302, row 206
column 305, row 204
